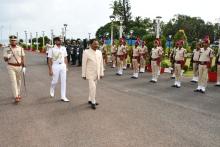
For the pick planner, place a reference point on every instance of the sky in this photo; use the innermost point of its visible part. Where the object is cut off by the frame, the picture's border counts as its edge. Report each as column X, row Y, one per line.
column 86, row 16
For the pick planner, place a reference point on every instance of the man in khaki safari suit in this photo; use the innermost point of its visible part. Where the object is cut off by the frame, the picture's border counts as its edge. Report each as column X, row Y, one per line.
column 14, row 57
column 92, row 69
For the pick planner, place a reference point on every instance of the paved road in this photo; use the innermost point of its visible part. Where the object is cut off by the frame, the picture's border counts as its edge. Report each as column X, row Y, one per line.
column 133, row 113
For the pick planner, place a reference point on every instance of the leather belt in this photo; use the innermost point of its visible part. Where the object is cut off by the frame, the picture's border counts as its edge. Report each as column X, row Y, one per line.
column 135, row 57
column 154, row 59
column 203, row 62
column 178, row 62
column 195, row 61
column 14, row 64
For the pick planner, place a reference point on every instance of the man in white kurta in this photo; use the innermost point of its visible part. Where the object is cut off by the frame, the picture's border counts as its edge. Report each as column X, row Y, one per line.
column 92, row 69
column 58, row 67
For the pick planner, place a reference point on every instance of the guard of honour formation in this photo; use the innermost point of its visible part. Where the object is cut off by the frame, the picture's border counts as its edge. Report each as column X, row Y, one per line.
column 95, row 59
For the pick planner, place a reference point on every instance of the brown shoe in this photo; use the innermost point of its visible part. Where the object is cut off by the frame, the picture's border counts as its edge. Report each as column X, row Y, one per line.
column 17, row 100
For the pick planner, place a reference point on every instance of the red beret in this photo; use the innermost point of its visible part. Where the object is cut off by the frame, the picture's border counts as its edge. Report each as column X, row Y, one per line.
column 206, row 40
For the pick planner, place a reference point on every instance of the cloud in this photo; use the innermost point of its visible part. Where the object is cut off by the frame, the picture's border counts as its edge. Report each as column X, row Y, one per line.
column 86, row 16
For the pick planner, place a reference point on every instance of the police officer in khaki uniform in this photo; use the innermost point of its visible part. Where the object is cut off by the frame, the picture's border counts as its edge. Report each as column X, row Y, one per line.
column 180, row 59
column 14, row 57
column 120, row 58
column 218, row 70
column 172, row 59
column 104, row 51
column 205, row 62
column 143, row 54
column 195, row 62
column 135, row 60
column 114, row 56
column 156, row 54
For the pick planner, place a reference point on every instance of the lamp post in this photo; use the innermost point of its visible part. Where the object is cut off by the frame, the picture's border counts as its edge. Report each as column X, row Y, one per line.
column 218, row 20
column 37, row 42
column 131, row 35
column 1, row 32
column 112, row 18
column 43, row 33
column 158, row 26
column 89, row 35
column 63, row 33
column 169, row 41
column 65, row 26
column 51, row 37
column 26, row 40
column 120, row 28
column 17, row 36
column 31, row 41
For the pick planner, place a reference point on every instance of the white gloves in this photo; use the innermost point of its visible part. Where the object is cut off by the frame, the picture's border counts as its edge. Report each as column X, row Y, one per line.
column 24, row 70
column 9, row 56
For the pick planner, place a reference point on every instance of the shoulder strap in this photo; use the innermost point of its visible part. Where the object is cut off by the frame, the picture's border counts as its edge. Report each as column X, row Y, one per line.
column 14, row 56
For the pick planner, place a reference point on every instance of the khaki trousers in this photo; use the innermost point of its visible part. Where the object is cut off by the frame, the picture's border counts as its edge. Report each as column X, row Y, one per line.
column 113, row 60
column 142, row 62
column 155, row 69
column 177, row 71
column 218, row 73
column 195, row 69
column 15, row 74
column 135, row 65
column 203, row 75
column 119, row 63
column 92, row 90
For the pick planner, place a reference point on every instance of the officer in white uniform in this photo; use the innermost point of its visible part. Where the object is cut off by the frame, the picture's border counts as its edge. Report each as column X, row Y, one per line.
column 58, row 67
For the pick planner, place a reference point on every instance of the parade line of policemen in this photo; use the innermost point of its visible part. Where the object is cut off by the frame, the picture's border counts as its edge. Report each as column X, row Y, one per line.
column 94, row 59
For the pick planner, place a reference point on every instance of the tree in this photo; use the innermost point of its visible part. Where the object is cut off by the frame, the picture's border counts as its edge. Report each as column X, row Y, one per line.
column 122, row 10
column 194, row 27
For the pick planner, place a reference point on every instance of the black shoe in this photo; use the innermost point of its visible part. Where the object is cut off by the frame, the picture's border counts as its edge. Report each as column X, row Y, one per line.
column 174, row 86
column 197, row 90
column 202, row 91
column 89, row 102
column 152, row 81
column 217, row 85
column 93, row 106
column 177, row 86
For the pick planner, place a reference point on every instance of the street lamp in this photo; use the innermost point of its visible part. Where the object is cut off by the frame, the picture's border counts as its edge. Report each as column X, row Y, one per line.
column 218, row 21
column 31, row 40
column 158, row 26
column 17, row 37
column 65, row 26
column 63, row 33
column 89, row 35
column 26, row 38
column 37, row 41
column 112, row 18
column 51, row 37
column 1, row 30
column 131, row 35
column 120, row 28
column 169, row 41
column 43, row 33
